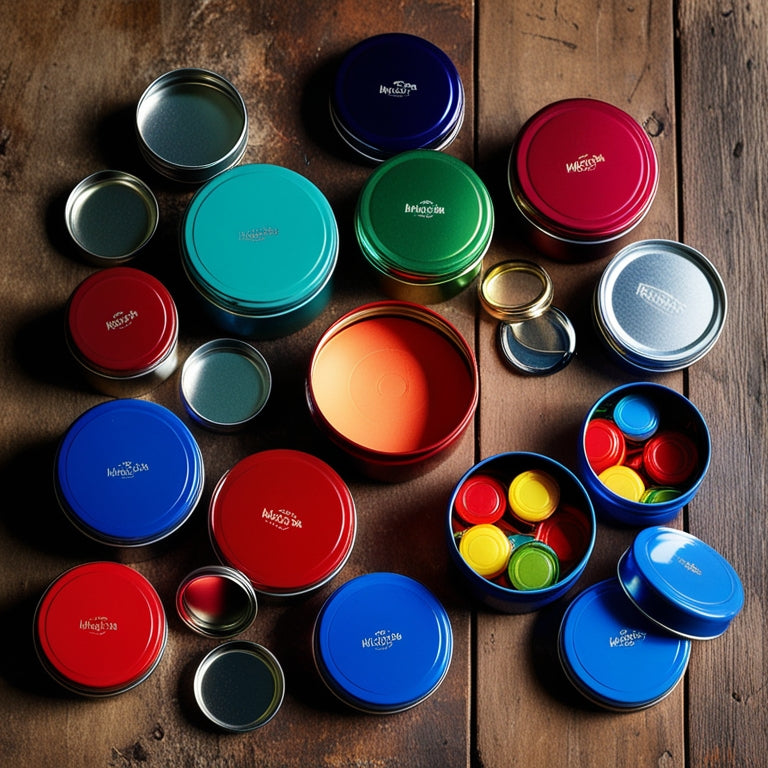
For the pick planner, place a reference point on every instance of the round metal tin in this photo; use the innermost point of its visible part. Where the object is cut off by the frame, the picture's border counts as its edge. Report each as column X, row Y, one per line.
column 636, row 417
column 100, row 629
column 514, row 291
column 614, row 655
column 225, row 384
column 377, row 386
column 285, row 519
column 681, row 583
column 111, row 215
column 382, row 642
column 122, row 329
column 395, row 92
column 216, row 601
column 191, row 124
column 239, row 686
column 128, row 473
column 423, row 221
column 581, row 173
column 659, row 306
column 259, row 245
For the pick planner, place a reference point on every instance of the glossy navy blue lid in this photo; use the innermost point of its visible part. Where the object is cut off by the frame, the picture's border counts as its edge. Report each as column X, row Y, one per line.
column 394, row 92
column 681, row 583
column 614, row 655
column 128, row 472
column 383, row 642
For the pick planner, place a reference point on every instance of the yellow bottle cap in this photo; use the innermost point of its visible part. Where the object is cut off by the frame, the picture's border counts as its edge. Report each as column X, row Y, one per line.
column 485, row 549
column 534, row 495
column 623, row 481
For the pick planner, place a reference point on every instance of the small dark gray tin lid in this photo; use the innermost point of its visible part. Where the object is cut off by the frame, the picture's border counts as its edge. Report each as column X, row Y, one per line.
column 659, row 305
column 225, row 383
column 216, row 601
column 192, row 124
column 111, row 215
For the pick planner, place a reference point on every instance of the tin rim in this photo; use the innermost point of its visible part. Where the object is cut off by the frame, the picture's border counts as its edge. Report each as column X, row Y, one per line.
column 495, row 297
column 168, row 103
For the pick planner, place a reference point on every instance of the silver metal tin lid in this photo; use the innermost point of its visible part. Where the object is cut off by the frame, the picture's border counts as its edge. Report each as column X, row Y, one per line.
column 111, row 215
column 659, row 305
column 192, row 124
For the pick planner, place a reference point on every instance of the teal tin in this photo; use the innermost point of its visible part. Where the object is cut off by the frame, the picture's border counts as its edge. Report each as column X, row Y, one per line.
column 259, row 244
column 424, row 220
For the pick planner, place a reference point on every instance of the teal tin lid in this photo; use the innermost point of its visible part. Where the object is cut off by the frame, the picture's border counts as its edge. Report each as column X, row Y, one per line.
column 259, row 240
column 424, row 218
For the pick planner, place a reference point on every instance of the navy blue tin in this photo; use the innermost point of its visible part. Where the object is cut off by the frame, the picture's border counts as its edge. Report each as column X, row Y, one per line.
column 394, row 92
column 128, row 473
column 681, row 583
column 382, row 643
column 614, row 655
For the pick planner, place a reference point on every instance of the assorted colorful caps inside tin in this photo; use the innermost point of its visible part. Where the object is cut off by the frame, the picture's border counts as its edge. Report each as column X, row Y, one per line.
column 659, row 306
column 122, row 329
column 100, row 629
column 283, row 518
column 128, row 473
column 382, row 642
column 396, row 92
column 259, row 245
column 423, row 221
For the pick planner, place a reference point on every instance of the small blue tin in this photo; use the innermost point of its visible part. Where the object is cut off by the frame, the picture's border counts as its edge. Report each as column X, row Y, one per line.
column 676, row 414
column 382, row 643
column 259, row 244
column 681, row 583
column 394, row 92
column 616, row 657
column 128, row 473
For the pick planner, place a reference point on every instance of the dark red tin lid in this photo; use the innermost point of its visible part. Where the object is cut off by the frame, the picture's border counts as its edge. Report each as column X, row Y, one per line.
column 481, row 499
column 100, row 628
column 567, row 531
column 121, row 321
column 670, row 458
column 285, row 519
column 604, row 444
column 584, row 170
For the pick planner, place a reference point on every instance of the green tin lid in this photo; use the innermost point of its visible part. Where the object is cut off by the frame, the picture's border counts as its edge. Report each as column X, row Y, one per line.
column 424, row 216
column 534, row 565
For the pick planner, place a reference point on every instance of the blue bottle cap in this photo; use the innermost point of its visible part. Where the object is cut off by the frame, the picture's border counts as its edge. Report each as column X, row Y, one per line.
column 614, row 655
column 128, row 472
column 382, row 642
column 636, row 416
column 681, row 583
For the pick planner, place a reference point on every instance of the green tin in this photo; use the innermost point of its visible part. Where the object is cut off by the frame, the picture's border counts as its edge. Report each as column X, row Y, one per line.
column 424, row 221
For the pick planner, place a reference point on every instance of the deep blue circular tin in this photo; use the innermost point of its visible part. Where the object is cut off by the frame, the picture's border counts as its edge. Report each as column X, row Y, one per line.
column 382, row 642
column 128, row 473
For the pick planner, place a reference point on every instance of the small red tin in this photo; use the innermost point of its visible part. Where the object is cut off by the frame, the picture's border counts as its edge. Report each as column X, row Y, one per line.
column 283, row 518
column 582, row 173
column 100, row 629
column 122, row 329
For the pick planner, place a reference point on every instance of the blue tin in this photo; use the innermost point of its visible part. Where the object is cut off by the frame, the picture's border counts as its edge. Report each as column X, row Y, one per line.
column 676, row 413
column 616, row 657
column 681, row 583
column 394, row 92
column 498, row 594
column 128, row 473
column 382, row 642
column 259, row 244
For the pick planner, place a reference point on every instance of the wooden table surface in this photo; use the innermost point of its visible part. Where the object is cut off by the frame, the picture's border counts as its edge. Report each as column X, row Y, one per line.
column 694, row 73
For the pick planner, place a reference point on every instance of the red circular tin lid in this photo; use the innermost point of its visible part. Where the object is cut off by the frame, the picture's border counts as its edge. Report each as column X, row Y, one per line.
column 481, row 499
column 604, row 444
column 100, row 628
column 584, row 170
column 122, row 321
column 670, row 458
column 566, row 532
column 285, row 519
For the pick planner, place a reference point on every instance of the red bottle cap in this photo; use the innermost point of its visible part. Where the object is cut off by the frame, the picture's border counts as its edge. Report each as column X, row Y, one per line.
column 670, row 458
column 567, row 533
column 481, row 499
column 604, row 445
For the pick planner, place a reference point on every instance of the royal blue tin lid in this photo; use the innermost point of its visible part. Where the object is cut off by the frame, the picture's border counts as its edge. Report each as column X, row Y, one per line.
column 382, row 642
column 681, row 583
column 259, row 239
column 614, row 655
column 394, row 92
column 128, row 472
